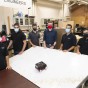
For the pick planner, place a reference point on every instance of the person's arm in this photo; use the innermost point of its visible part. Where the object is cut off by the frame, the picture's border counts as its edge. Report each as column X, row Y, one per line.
column 44, row 38
column 44, row 44
column 78, row 49
column 24, row 43
column 7, row 58
column 62, row 41
column 39, row 39
column 74, row 42
column 10, row 43
column 61, row 46
column 24, row 46
column 72, row 48
column 7, row 62
column 29, row 37
column 55, row 39
column 32, row 43
column 52, row 47
column 78, row 46
column 54, row 43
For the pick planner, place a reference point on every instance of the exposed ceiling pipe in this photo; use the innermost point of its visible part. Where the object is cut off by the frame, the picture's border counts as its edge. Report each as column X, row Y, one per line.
column 78, row 2
column 84, row 2
column 67, row 1
column 72, row 4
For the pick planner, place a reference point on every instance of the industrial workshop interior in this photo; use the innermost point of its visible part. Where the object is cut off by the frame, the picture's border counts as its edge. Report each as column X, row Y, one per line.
column 43, row 43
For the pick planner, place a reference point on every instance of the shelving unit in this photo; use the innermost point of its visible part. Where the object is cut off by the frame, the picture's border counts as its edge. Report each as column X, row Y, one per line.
column 25, row 22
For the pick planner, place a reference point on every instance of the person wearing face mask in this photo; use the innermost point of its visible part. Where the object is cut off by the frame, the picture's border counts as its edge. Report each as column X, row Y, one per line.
column 4, row 59
column 68, row 41
column 18, row 40
column 82, row 46
column 34, row 36
column 50, row 36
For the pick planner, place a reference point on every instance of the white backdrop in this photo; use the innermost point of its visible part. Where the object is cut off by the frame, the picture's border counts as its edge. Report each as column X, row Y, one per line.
column 16, row 3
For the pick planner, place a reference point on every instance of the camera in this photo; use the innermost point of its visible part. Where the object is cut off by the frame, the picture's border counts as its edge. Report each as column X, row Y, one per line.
column 40, row 66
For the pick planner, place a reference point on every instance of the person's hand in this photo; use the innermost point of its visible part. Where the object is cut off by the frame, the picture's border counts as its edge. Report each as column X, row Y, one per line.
column 21, row 52
column 33, row 45
column 7, row 48
column 8, row 67
column 65, row 50
column 45, row 46
column 60, row 49
column 78, row 53
column 52, row 47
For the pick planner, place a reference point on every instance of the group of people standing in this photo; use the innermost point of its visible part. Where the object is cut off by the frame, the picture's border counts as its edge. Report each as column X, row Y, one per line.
column 18, row 40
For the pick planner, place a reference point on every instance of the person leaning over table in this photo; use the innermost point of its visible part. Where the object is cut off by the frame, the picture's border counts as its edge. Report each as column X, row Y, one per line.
column 68, row 41
column 82, row 46
column 4, row 59
column 18, row 40
column 34, row 36
column 50, row 36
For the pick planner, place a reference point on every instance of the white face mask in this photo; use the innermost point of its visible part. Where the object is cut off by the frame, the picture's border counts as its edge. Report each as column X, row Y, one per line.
column 16, row 30
column 68, row 30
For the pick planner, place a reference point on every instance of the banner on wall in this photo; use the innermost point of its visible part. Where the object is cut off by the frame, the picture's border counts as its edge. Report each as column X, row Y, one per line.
column 16, row 3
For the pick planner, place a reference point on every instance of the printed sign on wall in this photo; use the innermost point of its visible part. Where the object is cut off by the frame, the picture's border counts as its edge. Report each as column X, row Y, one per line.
column 16, row 3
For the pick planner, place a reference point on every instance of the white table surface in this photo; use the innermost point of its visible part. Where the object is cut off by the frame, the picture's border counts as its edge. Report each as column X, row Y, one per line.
column 64, row 69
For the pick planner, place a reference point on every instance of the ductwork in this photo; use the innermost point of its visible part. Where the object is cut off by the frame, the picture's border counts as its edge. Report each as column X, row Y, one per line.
column 79, row 2
column 83, row 1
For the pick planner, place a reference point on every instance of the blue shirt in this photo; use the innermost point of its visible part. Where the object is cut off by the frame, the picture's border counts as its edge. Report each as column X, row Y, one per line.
column 50, row 36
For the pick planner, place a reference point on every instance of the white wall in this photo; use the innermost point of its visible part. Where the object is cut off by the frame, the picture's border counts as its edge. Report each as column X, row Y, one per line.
column 1, row 18
column 4, row 13
column 46, row 9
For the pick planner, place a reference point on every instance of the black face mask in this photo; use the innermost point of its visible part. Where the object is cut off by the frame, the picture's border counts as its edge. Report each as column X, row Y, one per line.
column 85, row 35
column 34, row 29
